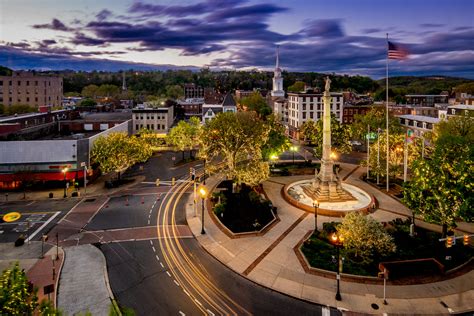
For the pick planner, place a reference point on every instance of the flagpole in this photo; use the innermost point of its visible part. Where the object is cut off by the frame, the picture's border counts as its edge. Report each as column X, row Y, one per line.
column 386, row 105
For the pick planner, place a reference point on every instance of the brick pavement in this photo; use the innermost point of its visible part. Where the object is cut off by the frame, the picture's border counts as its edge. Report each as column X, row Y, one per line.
column 280, row 269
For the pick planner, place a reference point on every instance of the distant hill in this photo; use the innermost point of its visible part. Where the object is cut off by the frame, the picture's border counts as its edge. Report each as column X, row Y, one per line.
column 4, row 71
column 423, row 85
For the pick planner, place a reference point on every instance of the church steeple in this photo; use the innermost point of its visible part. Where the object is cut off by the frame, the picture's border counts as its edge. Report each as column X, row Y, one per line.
column 277, row 90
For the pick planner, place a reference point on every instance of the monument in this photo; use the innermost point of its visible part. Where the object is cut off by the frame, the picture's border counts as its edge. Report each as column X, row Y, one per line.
column 326, row 186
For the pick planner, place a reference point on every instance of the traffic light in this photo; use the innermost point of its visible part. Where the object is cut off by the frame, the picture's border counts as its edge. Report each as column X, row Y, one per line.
column 450, row 241
column 465, row 240
column 157, row 182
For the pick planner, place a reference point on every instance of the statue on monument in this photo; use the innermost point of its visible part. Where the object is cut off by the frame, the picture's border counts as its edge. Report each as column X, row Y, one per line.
column 326, row 185
column 328, row 84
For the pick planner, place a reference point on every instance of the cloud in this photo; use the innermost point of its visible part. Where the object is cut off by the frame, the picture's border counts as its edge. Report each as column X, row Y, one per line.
column 371, row 30
column 54, row 25
column 103, row 15
column 431, row 25
column 323, row 28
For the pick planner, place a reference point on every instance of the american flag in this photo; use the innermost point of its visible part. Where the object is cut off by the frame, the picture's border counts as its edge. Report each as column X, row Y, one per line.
column 396, row 52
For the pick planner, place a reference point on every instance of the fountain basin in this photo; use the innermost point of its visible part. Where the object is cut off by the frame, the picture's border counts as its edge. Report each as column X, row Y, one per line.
column 294, row 194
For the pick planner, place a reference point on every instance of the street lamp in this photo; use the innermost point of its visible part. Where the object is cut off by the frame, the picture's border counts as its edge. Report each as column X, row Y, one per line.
column 273, row 158
column 293, row 149
column 337, row 240
column 203, row 194
column 316, row 206
column 65, row 183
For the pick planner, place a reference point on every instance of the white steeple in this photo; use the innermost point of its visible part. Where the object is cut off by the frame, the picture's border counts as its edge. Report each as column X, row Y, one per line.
column 277, row 90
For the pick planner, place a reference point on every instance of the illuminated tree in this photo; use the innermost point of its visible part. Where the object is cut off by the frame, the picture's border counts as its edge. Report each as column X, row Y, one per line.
column 340, row 137
column 237, row 140
column 277, row 142
column 185, row 135
column 309, row 131
column 117, row 152
column 375, row 118
column 441, row 186
column 17, row 296
column 365, row 237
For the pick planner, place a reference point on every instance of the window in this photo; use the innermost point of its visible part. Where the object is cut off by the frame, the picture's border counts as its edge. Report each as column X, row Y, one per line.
column 304, row 107
column 19, row 83
column 162, row 126
column 136, row 127
column 152, row 126
column 304, row 115
column 36, row 83
column 453, row 111
column 311, row 115
column 424, row 125
column 27, row 99
column 27, row 83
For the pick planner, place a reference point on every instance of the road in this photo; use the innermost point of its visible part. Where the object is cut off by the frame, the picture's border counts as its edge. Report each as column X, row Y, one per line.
column 37, row 217
column 172, row 274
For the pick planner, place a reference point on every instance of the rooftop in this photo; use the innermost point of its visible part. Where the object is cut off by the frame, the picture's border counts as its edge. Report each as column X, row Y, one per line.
column 462, row 107
column 420, row 118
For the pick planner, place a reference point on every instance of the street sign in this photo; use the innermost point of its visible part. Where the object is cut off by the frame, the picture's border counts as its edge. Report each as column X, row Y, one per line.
column 83, row 164
column 11, row 217
column 371, row 136
column 48, row 289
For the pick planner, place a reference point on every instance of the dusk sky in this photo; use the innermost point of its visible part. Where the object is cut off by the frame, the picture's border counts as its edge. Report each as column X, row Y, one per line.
column 341, row 36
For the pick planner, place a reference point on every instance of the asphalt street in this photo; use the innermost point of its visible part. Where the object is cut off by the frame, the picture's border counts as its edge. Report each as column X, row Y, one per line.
column 37, row 217
column 126, row 211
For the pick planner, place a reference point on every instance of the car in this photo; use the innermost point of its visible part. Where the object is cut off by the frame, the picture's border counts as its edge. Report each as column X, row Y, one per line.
column 355, row 143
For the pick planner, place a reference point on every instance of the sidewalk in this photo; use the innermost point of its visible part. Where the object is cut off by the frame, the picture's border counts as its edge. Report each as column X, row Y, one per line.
column 84, row 285
column 97, row 188
column 278, row 267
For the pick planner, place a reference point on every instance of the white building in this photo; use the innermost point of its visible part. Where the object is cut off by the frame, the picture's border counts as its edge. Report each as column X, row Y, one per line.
column 158, row 119
column 209, row 111
column 308, row 105
column 277, row 90
column 418, row 124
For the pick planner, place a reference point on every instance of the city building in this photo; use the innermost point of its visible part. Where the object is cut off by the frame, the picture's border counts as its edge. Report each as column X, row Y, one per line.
column 158, row 119
column 31, row 89
column 53, row 152
column 308, row 105
column 209, row 110
column 192, row 91
column 426, row 99
column 460, row 109
column 189, row 108
column 418, row 124
column 351, row 110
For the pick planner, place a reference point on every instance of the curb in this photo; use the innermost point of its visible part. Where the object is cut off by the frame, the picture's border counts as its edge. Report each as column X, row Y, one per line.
column 56, row 285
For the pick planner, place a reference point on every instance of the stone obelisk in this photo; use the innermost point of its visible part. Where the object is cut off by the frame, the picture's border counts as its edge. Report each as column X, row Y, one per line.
column 326, row 186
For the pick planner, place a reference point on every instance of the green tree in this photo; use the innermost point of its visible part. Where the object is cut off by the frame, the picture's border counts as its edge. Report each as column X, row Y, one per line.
column 296, row 87
column 237, row 139
column 174, row 92
column 17, row 296
column 88, row 103
column 117, row 152
column 309, row 130
column 375, row 119
column 255, row 102
column 466, row 88
column 185, row 135
column 364, row 237
column 20, row 109
column 108, row 91
column 277, row 142
column 340, row 137
column 441, row 186
column 90, row 91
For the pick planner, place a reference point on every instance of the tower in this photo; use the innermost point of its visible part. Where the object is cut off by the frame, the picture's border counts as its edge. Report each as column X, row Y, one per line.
column 124, row 83
column 277, row 90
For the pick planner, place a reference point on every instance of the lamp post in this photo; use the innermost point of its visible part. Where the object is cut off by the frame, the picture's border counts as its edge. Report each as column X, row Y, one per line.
column 316, row 206
column 379, row 130
column 293, row 149
column 273, row 158
column 204, row 174
column 203, row 194
column 65, row 172
column 338, row 240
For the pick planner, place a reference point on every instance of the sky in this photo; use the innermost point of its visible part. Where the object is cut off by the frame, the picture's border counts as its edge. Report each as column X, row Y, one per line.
column 340, row 36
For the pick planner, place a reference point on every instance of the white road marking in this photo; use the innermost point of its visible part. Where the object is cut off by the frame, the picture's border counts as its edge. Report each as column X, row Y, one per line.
column 151, row 242
column 42, row 226
column 148, row 221
column 186, row 292
column 176, row 282
column 181, row 313
column 210, row 313
column 162, row 265
column 30, row 203
column 167, row 272
column 157, row 258
column 153, row 247
column 197, row 301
